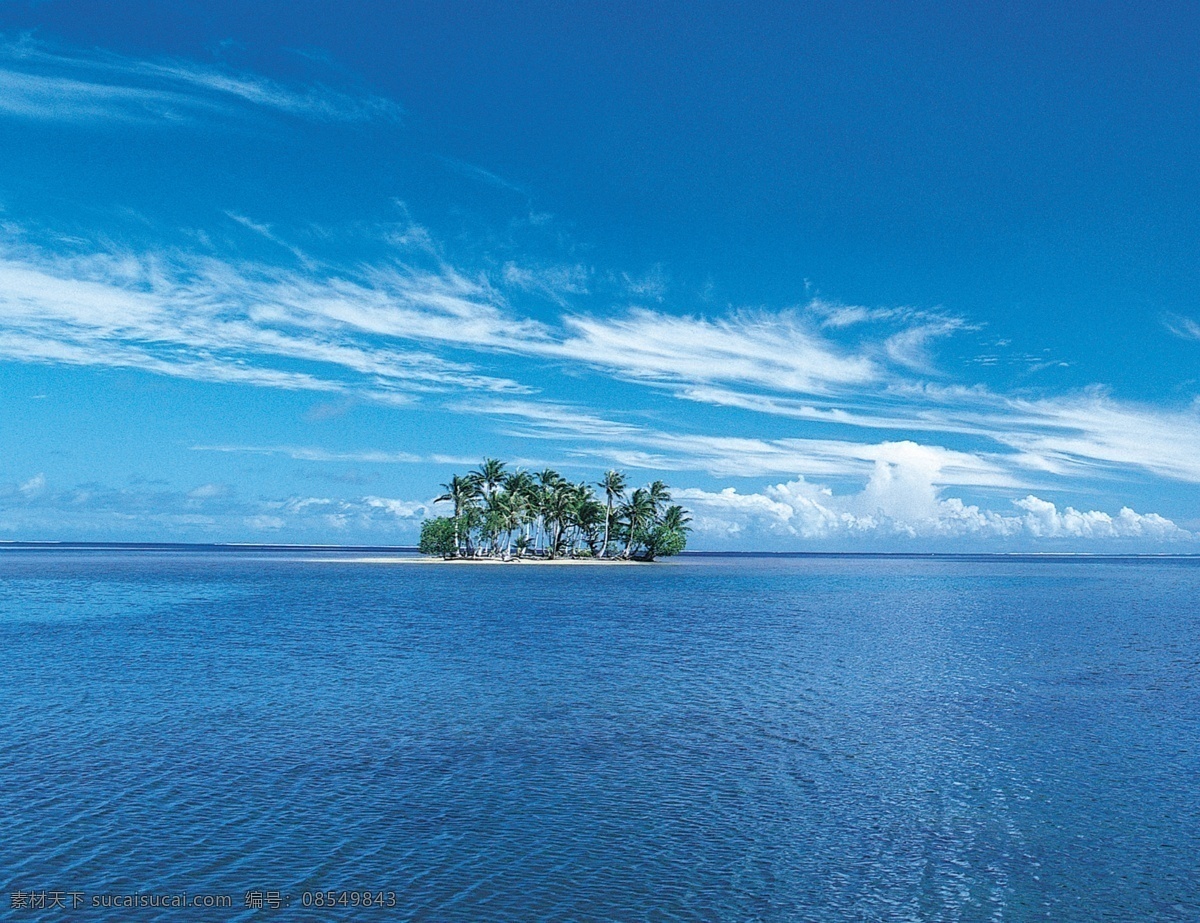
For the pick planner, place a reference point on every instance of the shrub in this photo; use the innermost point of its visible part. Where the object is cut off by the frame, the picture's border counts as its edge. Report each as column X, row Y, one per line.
column 437, row 537
column 660, row 541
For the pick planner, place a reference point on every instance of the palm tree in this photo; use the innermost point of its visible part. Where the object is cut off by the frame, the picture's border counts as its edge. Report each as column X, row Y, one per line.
column 548, row 480
column 521, row 486
column 472, row 519
column 548, row 477
column 589, row 514
column 519, row 482
column 489, row 476
column 669, row 535
column 637, row 513
column 463, row 493
column 497, row 510
column 659, row 495
column 558, row 500
column 676, row 518
column 504, row 512
column 614, row 489
column 580, row 515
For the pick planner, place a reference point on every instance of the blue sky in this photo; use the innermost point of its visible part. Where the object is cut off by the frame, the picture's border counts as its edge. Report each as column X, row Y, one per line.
column 872, row 277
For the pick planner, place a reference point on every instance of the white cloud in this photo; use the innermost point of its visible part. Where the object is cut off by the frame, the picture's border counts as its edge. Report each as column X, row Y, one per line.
column 650, row 286
column 639, row 446
column 263, row 523
column 34, row 486
column 200, row 318
column 401, row 509
column 845, row 315
column 264, row 231
column 549, row 419
column 383, row 331
column 38, row 83
column 45, row 97
column 373, row 335
column 309, row 453
column 1183, row 327
column 774, row 351
column 484, row 176
column 796, row 509
column 210, row 492
column 904, row 496
column 1042, row 519
column 555, row 283
column 910, row 348
column 1070, row 436
column 1093, row 430
column 317, row 454
column 801, row 510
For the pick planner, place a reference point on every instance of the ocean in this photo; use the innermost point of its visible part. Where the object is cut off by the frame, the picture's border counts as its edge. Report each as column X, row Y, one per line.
column 286, row 735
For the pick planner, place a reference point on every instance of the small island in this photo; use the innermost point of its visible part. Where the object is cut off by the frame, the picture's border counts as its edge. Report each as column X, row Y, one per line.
column 514, row 515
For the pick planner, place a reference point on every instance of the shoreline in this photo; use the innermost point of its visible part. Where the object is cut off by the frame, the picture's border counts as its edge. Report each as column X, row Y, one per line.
column 536, row 562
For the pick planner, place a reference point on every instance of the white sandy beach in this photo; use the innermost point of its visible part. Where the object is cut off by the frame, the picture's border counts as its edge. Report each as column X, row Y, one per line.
column 536, row 562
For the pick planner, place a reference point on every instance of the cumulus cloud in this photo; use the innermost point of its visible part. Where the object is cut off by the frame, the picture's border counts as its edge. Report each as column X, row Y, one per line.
column 902, row 498
column 804, row 511
column 796, row 509
column 1043, row 520
column 401, row 509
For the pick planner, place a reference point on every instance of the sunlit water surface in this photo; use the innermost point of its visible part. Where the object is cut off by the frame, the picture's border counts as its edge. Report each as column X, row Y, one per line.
column 708, row 739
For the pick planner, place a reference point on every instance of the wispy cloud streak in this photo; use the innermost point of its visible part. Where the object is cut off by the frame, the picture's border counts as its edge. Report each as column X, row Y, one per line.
column 648, row 447
column 203, row 318
column 316, row 454
column 773, row 351
column 37, row 82
column 1184, row 327
column 378, row 333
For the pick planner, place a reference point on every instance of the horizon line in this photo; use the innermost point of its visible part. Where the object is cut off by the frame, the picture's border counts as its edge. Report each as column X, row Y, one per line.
column 70, row 545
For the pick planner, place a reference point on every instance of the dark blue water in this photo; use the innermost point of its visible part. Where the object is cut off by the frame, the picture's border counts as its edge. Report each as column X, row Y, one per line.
column 804, row 739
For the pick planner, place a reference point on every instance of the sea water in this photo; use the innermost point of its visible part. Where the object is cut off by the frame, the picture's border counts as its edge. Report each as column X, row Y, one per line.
column 814, row 738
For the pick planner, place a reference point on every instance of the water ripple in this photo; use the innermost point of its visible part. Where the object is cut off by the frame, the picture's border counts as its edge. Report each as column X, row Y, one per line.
column 823, row 739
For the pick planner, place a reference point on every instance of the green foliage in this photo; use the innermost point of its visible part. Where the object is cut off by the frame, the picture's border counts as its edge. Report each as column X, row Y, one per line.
column 499, row 512
column 438, row 537
column 658, row 540
column 665, row 541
